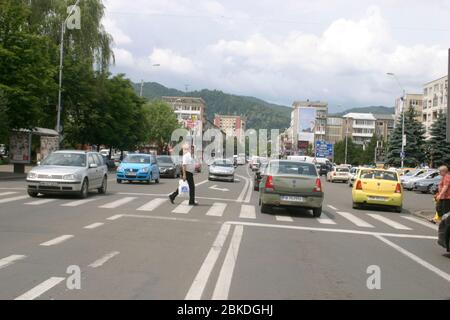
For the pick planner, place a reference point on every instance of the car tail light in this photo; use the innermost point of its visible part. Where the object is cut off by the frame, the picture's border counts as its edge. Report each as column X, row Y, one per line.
column 318, row 187
column 398, row 189
column 269, row 183
column 359, row 185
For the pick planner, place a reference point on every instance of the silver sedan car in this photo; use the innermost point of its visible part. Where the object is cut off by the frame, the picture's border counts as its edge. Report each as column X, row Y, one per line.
column 74, row 172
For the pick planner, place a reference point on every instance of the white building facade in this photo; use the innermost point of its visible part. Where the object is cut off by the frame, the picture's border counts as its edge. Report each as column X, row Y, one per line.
column 361, row 127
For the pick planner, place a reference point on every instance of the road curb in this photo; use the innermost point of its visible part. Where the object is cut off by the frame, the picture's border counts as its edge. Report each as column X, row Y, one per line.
column 12, row 177
column 427, row 215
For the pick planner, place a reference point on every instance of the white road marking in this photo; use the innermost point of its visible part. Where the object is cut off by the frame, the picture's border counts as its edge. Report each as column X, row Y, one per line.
column 117, row 203
column 40, row 289
column 422, row 222
column 117, row 216
column 183, row 208
column 13, row 199
column 249, row 192
column 201, row 183
column 244, row 190
column 7, row 194
column 10, row 260
column 216, row 188
column 40, row 202
column 284, row 218
column 355, row 220
column 78, row 203
column 217, row 209
column 331, row 230
column 389, row 222
column 104, row 259
column 415, row 258
column 94, row 225
column 326, row 220
column 198, row 285
column 223, row 283
column 333, row 208
column 152, row 205
column 56, row 241
column 247, row 212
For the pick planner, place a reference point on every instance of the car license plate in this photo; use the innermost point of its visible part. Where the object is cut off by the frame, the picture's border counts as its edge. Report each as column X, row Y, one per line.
column 292, row 199
column 48, row 184
column 377, row 198
column 131, row 174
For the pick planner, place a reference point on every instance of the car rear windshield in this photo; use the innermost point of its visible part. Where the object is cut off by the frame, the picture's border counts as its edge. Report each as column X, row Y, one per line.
column 295, row 168
column 137, row 159
column 165, row 159
column 379, row 175
column 342, row 170
column 65, row 160
column 223, row 163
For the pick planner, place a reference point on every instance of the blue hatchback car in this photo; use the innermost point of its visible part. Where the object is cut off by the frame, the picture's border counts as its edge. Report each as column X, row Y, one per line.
column 138, row 167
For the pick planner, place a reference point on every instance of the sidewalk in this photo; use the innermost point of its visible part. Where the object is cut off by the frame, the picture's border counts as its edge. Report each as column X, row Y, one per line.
column 7, row 172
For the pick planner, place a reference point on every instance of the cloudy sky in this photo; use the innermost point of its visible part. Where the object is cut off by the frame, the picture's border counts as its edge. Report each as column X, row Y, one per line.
column 284, row 50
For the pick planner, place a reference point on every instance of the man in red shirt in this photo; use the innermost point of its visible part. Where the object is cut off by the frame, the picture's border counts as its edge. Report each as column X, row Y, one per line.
column 443, row 195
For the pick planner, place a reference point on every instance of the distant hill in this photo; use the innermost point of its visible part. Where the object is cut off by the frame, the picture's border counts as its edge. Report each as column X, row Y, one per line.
column 260, row 114
column 372, row 109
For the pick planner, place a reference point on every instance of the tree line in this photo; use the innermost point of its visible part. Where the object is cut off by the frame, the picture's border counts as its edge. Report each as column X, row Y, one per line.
column 98, row 107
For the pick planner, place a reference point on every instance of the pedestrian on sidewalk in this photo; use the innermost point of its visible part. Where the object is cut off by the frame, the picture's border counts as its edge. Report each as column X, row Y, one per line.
column 443, row 196
column 188, row 168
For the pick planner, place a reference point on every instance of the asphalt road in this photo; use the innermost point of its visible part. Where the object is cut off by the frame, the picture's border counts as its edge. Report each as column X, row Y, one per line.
column 133, row 244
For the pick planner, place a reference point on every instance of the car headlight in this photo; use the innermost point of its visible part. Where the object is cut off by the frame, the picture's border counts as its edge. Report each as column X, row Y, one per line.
column 32, row 175
column 144, row 170
column 72, row 177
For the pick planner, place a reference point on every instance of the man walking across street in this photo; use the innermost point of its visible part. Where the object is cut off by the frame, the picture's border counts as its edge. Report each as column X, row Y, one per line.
column 443, row 195
column 188, row 168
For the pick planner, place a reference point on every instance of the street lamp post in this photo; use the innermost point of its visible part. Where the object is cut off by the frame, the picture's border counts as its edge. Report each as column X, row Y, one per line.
column 402, row 155
column 61, row 57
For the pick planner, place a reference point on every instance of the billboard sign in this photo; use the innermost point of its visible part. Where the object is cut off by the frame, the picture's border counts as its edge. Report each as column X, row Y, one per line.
column 48, row 145
column 20, row 147
column 306, row 124
column 324, row 150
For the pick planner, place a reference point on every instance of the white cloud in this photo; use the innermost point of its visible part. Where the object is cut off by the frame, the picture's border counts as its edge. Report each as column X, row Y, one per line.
column 119, row 36
column 124, row 58
column 171, row 61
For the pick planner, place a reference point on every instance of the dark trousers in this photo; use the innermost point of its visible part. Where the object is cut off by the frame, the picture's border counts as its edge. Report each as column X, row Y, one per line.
column 191, row 183
column 443, row 207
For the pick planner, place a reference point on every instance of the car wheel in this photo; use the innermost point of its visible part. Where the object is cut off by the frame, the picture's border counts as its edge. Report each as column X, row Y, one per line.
column 119, row 181
column 355, row 205
column 32, row 194
column 156, row 180
column 317, row 212
column 104, row 187
column 266, row 208
column 399, row 209
column 84, row 189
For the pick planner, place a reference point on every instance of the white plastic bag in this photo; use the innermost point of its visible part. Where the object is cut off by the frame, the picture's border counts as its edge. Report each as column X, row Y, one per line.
column 183, row 189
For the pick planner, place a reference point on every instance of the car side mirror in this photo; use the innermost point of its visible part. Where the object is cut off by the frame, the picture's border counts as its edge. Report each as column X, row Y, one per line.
column 93, row 166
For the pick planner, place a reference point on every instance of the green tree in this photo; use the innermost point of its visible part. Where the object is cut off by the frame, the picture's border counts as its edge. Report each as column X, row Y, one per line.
column 26, row 70
column 161, row 121
column 415, row 144
column 354, row 152
column 438, row 150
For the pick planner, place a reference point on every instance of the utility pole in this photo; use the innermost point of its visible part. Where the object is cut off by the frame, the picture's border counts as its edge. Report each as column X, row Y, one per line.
column 142, row 88
column 346, row 139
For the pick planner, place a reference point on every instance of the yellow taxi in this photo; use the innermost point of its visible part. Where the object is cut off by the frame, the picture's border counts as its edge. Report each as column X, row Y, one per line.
column 379, row 188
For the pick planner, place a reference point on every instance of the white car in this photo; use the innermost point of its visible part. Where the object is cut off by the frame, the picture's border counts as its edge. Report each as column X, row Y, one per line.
column 221, row 169
column 412, row 174
column 241, row 160
column 409, row 184
column 73, row 172
column 353, row 173
column 341, row 174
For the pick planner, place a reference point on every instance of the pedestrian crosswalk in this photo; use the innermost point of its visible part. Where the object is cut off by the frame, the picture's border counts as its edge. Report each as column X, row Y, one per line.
column 226, row 210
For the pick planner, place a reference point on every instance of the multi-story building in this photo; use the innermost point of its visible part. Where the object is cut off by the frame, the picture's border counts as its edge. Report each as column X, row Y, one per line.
column 335, row 129
column 320, row 125
column 434, row 101
column 231, row 125
column 414, row 100
column 190, row 111
column 385, row 124
column 361, row 127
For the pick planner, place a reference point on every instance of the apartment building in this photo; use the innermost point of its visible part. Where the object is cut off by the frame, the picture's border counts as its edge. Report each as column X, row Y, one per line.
column 320, row 121
column 361, row 127
column 231, row 125
column 335, row 129
column 385, row 124
column 434, row 101
column 190, row 111
column 414, row 100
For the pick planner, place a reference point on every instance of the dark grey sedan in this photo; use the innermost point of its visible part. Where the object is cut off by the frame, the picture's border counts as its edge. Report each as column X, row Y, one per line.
column 169, row 167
